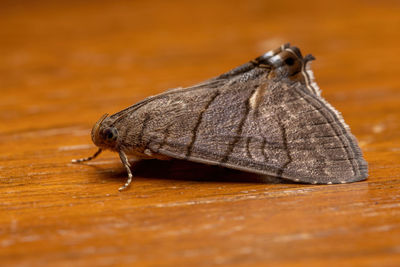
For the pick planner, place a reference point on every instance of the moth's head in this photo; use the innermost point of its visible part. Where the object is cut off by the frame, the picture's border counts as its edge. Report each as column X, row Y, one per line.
column 104, row 135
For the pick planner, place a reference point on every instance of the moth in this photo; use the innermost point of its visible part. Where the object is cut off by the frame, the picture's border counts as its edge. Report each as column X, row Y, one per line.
column 266, row 116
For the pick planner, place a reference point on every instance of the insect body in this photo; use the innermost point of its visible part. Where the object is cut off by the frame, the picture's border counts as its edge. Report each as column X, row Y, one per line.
column 266, row 116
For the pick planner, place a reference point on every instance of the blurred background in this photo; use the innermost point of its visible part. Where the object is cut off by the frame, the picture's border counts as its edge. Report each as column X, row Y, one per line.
column 63, row 64
column 79, row 59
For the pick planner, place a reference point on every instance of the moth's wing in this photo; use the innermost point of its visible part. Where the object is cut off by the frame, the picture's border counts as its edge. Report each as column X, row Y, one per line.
column 205, row 86
column 265, row 117
column 273, row 128
column 244, row 70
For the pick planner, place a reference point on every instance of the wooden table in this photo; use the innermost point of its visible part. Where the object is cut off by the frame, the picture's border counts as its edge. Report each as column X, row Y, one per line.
column 63, row 64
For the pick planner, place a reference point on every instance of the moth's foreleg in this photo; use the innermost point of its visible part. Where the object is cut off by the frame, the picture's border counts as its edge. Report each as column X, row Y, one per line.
column 88, row 158
column 127, row 165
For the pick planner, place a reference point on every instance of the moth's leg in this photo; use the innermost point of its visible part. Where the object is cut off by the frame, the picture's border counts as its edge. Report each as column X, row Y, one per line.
column 127, row 165
column 88, row 158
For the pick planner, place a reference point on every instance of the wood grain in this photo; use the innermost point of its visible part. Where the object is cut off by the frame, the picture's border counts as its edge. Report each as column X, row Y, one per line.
column 63, row 64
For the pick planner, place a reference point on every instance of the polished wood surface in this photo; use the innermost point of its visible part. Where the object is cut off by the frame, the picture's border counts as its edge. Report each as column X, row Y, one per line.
column 63, row 64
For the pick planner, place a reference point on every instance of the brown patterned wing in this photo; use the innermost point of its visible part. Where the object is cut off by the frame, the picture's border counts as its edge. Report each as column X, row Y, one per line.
column 291, row 134
column 266, row 117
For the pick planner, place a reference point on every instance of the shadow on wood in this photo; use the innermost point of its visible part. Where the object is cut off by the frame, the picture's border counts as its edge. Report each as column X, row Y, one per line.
column 185, row 170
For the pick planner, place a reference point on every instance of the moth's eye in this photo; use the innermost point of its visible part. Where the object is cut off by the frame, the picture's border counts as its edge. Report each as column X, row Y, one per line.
column 110, row 134
column 289, row 61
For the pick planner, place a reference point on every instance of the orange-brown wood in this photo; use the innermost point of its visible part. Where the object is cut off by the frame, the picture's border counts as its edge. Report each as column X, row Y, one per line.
column 63, row 64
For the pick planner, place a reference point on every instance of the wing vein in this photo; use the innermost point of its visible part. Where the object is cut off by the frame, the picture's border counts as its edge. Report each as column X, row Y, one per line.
column 338, row 135
column 285, row 147
column 199, row 120
column 231, row 146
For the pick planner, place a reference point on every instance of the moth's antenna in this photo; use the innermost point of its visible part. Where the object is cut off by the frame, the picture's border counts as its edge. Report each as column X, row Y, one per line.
column 88, row 158
column 95, row 133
